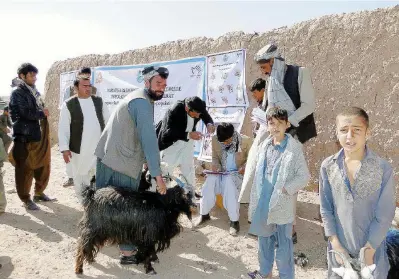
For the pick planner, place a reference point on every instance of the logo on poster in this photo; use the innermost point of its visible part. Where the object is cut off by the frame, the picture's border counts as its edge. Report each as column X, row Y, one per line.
column 225, row 58
column 196, row 71
column 99, row 78
column 140, row 77
column 230, row 88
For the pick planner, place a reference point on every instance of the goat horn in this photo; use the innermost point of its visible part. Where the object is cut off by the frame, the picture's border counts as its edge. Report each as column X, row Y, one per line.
column 343, row 257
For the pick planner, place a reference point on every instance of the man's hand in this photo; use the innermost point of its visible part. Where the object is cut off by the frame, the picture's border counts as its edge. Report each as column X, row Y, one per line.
column 241, row 170
column 161, row 187
column 195, row 135
column 46, row 112
column 336, row 246
column 67, row 156
column 210, row 128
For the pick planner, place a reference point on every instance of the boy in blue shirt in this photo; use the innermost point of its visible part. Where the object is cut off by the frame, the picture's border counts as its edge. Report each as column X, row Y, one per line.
column 281, row 171
column 357, row 197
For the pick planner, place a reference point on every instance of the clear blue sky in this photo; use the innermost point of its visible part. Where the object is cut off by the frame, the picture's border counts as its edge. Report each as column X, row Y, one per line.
column 43, row 33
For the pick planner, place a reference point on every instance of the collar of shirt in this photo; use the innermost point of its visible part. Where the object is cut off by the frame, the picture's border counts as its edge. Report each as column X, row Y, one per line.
column 341, row 154
column 280, row 147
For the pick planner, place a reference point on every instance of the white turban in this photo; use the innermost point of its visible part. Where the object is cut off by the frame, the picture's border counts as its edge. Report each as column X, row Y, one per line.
column 267, row 52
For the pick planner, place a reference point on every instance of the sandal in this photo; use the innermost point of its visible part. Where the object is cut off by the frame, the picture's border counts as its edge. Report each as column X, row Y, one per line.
column 43, row 198
column 257, row 275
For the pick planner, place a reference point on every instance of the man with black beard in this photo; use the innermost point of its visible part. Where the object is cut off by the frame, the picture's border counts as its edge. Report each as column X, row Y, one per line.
column 129, row 140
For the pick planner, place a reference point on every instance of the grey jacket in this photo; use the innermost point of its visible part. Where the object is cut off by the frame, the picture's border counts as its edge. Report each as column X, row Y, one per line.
column 119, row 146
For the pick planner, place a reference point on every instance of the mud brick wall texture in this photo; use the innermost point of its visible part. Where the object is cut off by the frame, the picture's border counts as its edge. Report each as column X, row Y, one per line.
column 353, row 59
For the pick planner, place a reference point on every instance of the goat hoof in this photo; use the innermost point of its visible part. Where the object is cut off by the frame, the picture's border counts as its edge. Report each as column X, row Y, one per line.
column 150, row 272
column 155, row 259
column 79, row 271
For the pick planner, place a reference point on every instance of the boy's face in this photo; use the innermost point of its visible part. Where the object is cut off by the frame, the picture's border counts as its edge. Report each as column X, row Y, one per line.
column 258, row 95
column 352, row 132
column 277, row 127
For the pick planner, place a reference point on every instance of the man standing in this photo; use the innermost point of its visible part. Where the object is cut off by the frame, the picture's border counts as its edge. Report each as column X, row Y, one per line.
column 31, row 151
column 290, row 88
column 176, row 134
column 84, row 72
column 82, row 119
column 129, row 140
column 5, row 125
column 229, row 154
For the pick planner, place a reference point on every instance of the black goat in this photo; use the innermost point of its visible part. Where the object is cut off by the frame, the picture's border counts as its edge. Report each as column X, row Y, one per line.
column 146, row 220
column 393, row 253
column 145, row 183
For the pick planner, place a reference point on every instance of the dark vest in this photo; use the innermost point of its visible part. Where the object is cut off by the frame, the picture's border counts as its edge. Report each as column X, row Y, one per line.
column 76, row 127
column 307, row 127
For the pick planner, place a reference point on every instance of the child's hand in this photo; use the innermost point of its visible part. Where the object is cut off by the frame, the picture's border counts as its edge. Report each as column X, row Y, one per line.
column 369, row 255
column 215, row 168
column 336, row 246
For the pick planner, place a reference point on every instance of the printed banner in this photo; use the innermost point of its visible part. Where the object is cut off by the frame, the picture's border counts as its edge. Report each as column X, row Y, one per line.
column 234, row 115
column 219, row 79
column 186, row 79
column 66, row 81
column 226, row 79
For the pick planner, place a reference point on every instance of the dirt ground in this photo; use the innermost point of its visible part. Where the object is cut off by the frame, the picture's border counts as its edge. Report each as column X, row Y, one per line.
column 42, row 244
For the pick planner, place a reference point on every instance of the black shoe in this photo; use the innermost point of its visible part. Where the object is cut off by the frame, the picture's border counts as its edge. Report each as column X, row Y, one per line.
column 68, row 182
column 202, row 219
column 294, row 238
column 234, row 228
column 124, row 260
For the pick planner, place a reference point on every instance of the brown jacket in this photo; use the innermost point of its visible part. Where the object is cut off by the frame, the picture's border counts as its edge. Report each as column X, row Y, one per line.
column 241, row 155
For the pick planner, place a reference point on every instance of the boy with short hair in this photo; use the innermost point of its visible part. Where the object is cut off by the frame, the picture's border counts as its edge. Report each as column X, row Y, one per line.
column 257, row 89
column 357, row 197
column 229, row 154
column 281, row 171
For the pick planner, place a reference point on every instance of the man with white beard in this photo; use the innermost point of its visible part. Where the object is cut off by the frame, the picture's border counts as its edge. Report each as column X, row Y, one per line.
column 82, row 120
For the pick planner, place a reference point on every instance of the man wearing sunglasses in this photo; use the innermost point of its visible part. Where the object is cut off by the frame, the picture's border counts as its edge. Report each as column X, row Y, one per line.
column 177, row 132
column 129, row 140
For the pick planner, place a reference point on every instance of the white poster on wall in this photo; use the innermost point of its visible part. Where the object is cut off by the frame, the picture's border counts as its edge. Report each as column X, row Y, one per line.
column 226, row 79
column 234, row 115
column 66, row 81
column 186, row 79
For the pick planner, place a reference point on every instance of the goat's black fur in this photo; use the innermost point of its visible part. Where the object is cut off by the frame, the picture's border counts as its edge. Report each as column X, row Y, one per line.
column 121, row 216
column 145, row 183
column 393, row 253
